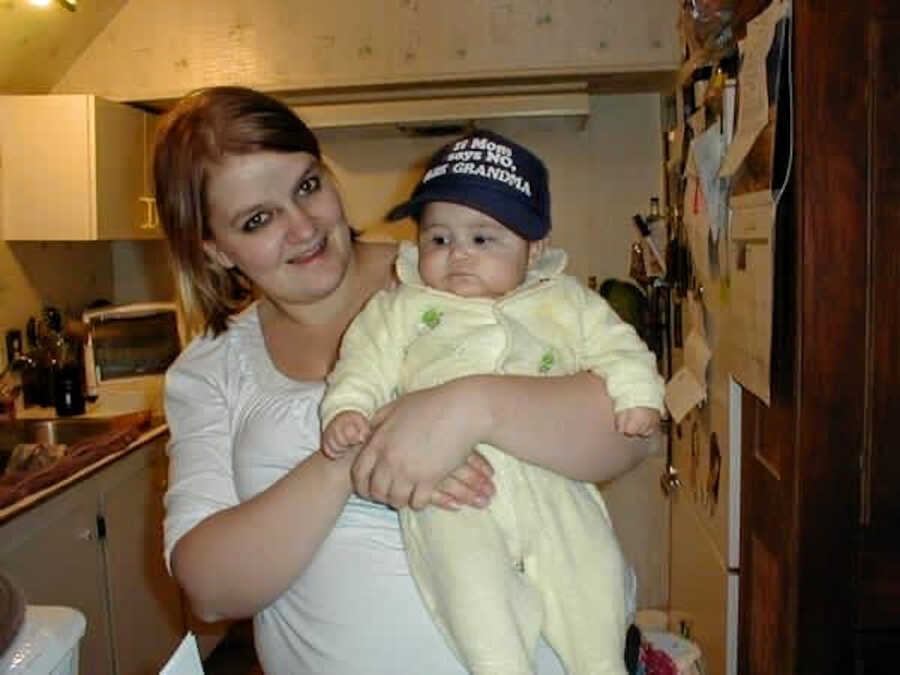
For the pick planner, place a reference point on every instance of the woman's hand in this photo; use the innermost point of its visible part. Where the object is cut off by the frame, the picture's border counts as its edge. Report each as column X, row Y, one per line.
column 469, row 485
column 417, row 441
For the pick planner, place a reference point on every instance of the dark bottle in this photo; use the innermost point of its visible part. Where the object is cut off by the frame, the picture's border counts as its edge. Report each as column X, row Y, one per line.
column 68, row 390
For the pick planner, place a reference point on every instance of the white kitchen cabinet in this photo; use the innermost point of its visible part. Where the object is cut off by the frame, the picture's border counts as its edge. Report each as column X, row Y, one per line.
column 51, row 552
column 73, row 168
column 97, row 546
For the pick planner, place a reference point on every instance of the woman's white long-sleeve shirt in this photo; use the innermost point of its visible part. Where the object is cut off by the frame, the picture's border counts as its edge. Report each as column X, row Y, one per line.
column 237, row 425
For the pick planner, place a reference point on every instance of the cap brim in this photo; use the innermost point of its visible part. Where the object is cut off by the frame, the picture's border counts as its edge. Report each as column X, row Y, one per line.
column 512, row 214
column 405, row 210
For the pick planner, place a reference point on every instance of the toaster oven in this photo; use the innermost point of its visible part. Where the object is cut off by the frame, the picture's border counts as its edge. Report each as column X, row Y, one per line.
column 127, row 351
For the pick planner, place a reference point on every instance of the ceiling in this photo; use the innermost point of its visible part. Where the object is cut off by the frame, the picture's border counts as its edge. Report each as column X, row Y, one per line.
column 39, row 44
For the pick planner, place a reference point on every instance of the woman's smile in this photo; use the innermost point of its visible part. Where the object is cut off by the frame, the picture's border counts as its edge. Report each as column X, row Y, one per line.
column 310, row 254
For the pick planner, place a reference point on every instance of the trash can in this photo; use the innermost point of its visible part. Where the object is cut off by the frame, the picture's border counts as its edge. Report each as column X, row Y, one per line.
column 46, row 644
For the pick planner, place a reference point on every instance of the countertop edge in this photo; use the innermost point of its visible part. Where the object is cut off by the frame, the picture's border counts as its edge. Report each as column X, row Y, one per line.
column 36, row 498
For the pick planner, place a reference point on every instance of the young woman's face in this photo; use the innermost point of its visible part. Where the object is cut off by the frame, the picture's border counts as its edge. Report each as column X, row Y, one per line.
column 278, row 218
column 465, row 252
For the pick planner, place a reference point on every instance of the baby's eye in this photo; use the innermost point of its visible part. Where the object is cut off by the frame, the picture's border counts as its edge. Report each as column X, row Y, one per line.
column 255, row 221
column 439, row 240
column 309, row 185
column 481, row 239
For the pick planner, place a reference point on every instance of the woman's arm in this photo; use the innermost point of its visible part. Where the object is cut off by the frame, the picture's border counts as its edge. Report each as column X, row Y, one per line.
column 233, row 558
column 561, row 423
column 239, row 560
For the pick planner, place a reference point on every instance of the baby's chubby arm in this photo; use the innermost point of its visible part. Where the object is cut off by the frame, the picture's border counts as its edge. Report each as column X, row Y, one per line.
column 370, row 357
column 347, row 430
column 611, row 348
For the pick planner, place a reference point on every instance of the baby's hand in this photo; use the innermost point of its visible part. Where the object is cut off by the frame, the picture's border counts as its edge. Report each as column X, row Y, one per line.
column 346, row 431
column 637, row 421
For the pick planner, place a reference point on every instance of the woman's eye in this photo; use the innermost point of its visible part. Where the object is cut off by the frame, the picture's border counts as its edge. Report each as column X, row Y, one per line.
column 255, row 221
column 309, row 184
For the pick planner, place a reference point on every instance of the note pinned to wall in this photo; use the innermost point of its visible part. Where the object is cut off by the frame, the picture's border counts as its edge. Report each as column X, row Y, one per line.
column 748, row 331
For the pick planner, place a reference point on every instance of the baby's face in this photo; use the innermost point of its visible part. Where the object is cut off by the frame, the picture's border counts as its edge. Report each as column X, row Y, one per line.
column 467, row 253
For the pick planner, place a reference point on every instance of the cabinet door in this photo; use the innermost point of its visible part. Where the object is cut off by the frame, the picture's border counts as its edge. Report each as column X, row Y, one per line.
column 120, row 171
column 148, row 224
column 72, row 168
column 145, row 608
column 46, row 177
column 52, row 553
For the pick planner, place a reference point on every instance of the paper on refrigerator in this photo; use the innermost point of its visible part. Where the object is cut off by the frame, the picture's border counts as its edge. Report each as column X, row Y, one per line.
column 753, row 97
column 687, row 388
column 709, row 148
column 748, row 333
column 185, row 660
column 696, row 222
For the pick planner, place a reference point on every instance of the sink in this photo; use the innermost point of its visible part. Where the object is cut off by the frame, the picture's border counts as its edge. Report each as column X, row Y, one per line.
column 57, row 431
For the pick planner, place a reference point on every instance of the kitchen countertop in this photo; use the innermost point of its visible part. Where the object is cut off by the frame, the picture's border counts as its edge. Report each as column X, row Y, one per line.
column 157, row 428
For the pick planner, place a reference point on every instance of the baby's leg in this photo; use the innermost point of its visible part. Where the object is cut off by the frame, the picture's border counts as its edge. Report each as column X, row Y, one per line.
column 465, row 571
column 579, row 569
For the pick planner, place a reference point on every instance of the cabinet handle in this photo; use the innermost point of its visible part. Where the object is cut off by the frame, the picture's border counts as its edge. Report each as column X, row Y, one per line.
column 87, row 534
column 150, row 220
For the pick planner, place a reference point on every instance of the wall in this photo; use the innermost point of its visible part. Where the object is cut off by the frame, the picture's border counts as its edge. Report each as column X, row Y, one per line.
column 601, row 174
column 141, row 272
column 64, row 275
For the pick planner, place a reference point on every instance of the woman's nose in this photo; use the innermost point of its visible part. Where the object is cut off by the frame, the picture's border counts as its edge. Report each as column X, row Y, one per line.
column 300, row 225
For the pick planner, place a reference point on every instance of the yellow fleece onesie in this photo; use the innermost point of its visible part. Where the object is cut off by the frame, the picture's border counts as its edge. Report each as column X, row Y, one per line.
column 543, row 557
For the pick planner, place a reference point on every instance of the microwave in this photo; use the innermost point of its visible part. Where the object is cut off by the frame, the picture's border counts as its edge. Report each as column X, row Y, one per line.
column 127, row 351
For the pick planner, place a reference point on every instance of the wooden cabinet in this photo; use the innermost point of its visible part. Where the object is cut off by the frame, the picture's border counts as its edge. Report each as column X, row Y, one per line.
column 98, row 547
column 73, row 168
column 820, row 505
column 166, row 48
column 53, row 554
column 145, row 611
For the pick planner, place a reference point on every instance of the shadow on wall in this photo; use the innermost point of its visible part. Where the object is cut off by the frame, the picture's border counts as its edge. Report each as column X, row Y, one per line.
column 67, row 275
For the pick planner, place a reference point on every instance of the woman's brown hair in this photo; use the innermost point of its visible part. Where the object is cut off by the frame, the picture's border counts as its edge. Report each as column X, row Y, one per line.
column 200, row 131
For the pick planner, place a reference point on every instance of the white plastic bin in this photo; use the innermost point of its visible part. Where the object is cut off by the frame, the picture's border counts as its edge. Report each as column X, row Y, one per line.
column 684, row 655
column 47, row 643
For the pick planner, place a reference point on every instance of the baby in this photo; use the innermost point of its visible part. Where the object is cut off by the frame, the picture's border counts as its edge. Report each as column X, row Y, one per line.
column 483, row 293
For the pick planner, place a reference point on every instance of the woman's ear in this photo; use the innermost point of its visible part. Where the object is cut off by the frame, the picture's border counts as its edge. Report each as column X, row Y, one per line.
column 217, row 255
column 536, row 250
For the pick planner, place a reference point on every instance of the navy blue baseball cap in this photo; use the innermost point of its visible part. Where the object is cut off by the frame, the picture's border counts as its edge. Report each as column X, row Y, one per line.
column 491, row 174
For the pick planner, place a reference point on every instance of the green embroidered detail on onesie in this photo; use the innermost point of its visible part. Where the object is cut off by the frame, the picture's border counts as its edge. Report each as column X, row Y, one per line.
column 547, row 361
column 432, row 318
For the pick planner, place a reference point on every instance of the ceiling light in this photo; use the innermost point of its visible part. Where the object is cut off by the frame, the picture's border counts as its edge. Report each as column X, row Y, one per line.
column 70, row 5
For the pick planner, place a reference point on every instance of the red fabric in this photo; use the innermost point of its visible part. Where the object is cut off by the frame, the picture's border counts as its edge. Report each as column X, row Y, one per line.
column 657, row 662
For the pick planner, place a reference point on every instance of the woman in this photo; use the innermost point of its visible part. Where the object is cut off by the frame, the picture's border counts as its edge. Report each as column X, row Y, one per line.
column 258, row 522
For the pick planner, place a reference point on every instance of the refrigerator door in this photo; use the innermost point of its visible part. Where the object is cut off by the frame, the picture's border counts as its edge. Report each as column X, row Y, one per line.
column 706, row 514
